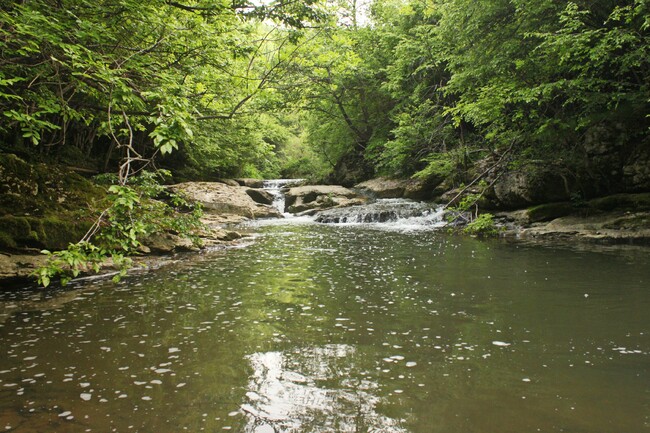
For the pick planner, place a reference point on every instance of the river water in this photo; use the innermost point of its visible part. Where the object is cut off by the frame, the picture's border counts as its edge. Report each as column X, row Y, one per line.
column 340, row 328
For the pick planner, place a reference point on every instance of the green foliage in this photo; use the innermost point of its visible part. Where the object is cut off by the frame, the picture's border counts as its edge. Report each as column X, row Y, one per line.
column 69, row 263
column 483, row 225
column 126, row 78
column 134, row 212
column 438, row 166
column 546, row 72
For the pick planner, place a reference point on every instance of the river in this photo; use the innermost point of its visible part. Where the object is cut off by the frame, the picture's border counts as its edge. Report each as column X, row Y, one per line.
column 340, row 328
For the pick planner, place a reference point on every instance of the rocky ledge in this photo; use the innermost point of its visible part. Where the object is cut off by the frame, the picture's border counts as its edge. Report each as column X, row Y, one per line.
column 620, row 218
column 223, row 203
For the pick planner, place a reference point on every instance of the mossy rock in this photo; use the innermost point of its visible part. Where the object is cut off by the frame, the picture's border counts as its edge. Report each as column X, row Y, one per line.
column 549, row 211
column 634, row 222
column 52, row 232
column 633, row 202
column 41, row 189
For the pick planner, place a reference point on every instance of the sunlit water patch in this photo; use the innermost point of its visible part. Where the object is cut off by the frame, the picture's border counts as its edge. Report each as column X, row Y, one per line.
column 330, row 328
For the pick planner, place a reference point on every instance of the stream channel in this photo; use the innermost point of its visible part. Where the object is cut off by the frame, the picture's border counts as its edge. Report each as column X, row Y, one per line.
column 389, row 327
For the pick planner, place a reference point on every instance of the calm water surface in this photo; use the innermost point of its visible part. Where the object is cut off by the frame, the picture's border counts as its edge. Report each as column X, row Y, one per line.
column 317, row 328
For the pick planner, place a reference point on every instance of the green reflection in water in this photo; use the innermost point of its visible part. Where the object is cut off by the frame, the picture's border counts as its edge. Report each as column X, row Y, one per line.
column 340, row 329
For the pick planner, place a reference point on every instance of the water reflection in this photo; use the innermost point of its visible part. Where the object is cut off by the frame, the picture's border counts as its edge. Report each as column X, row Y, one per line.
column 320, row 328
column 313, row 389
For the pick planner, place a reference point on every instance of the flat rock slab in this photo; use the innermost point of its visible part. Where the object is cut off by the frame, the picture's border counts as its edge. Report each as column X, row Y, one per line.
column 219, row 198
column 19, row 265
column 607, row 227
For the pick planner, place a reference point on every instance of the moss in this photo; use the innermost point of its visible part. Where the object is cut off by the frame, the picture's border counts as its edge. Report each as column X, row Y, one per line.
column 41, row 189
column 51, row 232
column 549, row 211
column 7, row 242
column 58, row 233
column 634, row 202
column 630, row 222
column 13, row 164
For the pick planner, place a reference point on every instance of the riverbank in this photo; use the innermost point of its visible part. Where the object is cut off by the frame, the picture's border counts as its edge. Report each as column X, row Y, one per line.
column 32, row 200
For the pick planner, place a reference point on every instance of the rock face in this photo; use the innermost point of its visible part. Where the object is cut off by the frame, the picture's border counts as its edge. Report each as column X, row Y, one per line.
column 382, row 187
column 529, row 186
column 636, row 172
column 219, row 198
column 39, row 204
column 316, row 197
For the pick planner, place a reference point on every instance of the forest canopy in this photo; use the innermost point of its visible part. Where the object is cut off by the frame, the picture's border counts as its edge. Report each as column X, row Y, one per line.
column 348, row 88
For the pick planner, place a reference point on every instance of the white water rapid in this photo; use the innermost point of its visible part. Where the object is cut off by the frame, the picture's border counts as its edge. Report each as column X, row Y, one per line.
column 386, row 214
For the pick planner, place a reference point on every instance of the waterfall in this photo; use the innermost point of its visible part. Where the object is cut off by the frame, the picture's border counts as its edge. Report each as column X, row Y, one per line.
column 275, row 187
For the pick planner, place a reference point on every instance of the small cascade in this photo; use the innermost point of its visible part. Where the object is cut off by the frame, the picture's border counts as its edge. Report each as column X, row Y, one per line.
column 275, row 187
column 396, row 212
column 389, row 214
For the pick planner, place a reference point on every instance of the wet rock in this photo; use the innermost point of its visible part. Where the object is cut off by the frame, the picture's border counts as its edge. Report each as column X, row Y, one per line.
column 305, row 198
column 250, row 183
column 378, row 212
column 221, row 199
column 260, row 196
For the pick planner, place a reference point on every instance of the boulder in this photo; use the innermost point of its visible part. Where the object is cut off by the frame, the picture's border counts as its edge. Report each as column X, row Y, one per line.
column 213, row 236
column 382, row 187
column 250, row 183
column 221, row 199
column 420, row 189
column 163, row 243
column 260, row 196
column 310, row 197
column 529, row 186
